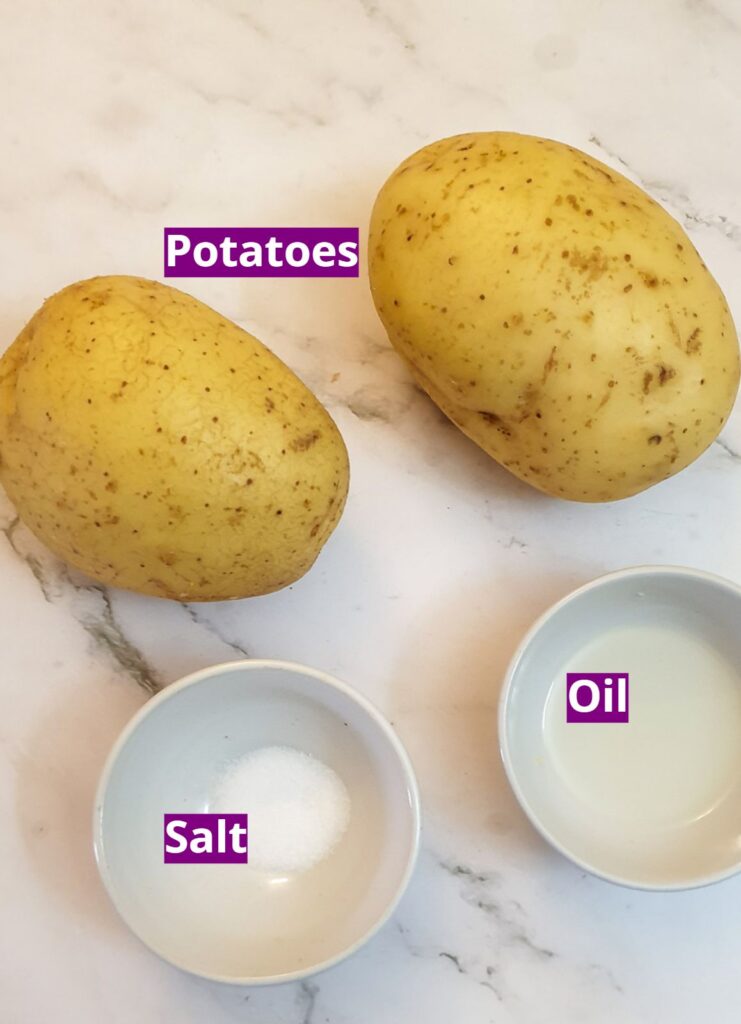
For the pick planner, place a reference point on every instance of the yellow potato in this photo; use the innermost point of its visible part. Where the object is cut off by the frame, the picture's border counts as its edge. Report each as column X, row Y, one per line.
column 556, row 313
column 157, row 447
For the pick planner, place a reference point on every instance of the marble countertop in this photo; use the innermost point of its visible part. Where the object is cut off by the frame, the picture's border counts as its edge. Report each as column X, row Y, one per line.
column 121, row 118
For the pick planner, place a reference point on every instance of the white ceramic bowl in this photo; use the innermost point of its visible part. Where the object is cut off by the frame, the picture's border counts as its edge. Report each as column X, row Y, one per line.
column 654, row 802
column 230, row 922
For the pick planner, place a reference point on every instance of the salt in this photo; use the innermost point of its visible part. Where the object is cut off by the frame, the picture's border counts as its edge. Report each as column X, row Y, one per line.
column 298, row 808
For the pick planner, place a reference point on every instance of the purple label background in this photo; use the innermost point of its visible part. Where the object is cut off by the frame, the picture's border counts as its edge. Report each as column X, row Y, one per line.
column 599, row 714
column 210, row 821
column 187, row 267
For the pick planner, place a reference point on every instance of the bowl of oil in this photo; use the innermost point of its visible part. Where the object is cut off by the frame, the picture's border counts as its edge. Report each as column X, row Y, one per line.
column 620, row 727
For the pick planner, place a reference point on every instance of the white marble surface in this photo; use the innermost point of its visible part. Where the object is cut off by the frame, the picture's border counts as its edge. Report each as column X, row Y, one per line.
column 121, row 117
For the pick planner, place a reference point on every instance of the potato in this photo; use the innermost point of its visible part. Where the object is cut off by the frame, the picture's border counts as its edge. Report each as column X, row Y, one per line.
column 157, row 447
column 556, row 313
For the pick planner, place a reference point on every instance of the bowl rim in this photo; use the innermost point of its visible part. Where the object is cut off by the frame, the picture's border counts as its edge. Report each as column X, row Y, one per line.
column 203, row 675
column 690, row 575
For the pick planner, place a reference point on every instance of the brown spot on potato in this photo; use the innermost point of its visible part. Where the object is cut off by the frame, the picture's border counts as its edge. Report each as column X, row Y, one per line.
column 496, row 421
column 303, row 443
column 551, row 362
column 693, row 342
column 675, row 332
column 654, row 439
column 593, row 264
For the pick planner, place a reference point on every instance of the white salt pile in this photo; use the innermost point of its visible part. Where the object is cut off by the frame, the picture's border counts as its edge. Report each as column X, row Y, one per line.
column 298, row 808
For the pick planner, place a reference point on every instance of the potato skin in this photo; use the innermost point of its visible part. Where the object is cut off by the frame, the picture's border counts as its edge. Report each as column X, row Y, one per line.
column 160, row 448
column 555, row 312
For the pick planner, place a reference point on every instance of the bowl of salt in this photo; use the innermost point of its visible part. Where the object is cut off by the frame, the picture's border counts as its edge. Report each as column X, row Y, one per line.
column 256, row 822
